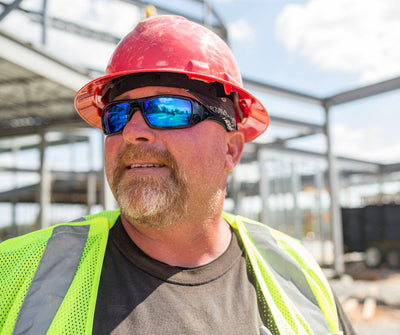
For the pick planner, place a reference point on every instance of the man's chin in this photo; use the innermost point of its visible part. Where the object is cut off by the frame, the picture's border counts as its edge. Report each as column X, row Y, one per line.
column 151, row 207
column 155, row 201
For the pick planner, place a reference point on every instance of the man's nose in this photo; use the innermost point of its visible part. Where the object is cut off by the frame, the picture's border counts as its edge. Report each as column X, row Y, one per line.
column 137, row 130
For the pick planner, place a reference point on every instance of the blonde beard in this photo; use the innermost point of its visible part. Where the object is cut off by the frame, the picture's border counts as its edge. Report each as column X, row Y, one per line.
column 154, row 201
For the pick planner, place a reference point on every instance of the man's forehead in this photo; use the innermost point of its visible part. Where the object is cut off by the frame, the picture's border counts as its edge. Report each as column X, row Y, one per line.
column 149, row 91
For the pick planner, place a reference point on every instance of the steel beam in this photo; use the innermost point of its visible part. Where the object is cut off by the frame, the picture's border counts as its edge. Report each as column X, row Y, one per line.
column 390, row 168
column 305, row 126
column 39, row 62
column 363, row 92
column 364, row 165
column 37, row 103
column 9, row 8
column 58, row 123
column 220, row 29
column 75, row 139
column 258, row 86
column 21, row 80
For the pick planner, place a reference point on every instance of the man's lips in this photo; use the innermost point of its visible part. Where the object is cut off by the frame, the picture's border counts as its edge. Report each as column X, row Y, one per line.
column 141, row 160
column 145, row 165
column 150, row 169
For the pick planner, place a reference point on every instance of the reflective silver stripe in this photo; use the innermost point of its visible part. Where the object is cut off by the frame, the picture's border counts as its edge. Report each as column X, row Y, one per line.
column 290, row 277
column 52, row 279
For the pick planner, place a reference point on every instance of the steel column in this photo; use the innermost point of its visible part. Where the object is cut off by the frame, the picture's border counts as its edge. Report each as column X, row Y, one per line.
column 108, row 200
column 14, row 198
column 44, row 22
column 319, row 182
column 264, row 187
column 236, row 193
column 91, row 186
column 45, row 185
column 333, row 183
column 296, row 188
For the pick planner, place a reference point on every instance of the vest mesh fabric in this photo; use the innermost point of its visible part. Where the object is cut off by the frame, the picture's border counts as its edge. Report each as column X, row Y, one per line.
column 18, row 265
column 20, row 257
column 265, row 312
column 315, row 278
column 75, row 315
column 287, row 317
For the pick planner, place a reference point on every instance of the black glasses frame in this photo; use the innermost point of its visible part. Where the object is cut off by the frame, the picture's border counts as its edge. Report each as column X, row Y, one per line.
column 199, row 113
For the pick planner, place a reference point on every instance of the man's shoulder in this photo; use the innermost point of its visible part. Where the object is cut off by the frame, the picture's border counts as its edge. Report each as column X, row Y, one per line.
column 37, row 238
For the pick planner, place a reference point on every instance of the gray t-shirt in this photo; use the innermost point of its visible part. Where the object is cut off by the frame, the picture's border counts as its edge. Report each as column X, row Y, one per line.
column 140, row 295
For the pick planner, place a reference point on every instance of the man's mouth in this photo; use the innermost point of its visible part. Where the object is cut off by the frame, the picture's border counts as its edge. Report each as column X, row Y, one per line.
column 140, row 166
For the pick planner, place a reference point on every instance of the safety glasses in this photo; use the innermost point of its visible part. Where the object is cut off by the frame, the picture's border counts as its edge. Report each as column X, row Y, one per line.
column 159, row 112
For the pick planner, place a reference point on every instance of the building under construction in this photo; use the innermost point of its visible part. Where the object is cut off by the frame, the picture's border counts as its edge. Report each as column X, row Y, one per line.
column 51, row 162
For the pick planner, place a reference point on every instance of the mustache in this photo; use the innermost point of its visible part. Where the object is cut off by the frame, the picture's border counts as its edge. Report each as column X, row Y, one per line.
column 143, row 153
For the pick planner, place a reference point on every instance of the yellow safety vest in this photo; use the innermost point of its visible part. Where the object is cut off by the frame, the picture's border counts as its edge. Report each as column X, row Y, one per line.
column 49, row 278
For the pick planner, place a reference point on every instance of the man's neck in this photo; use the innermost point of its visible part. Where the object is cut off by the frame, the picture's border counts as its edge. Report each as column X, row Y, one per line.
column 184, row 244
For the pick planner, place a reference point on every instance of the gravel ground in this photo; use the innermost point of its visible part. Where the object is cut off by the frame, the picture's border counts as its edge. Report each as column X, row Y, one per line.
column 371, row 299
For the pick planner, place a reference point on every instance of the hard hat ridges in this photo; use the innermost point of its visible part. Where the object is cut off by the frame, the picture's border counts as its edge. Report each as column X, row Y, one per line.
column 173, row 44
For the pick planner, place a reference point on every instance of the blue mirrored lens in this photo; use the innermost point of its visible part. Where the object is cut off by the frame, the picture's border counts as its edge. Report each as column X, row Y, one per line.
column 168, row 112
column 115, row 117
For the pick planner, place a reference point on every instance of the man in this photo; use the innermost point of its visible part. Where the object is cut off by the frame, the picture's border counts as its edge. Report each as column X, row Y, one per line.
column 169, row 261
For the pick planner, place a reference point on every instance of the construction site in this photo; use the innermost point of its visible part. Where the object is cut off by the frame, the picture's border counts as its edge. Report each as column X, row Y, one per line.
column 345, row 210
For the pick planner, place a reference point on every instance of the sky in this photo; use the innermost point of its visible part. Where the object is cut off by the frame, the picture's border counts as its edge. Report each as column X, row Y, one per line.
column 318, row 47
column 325, row 47
column 349, row 42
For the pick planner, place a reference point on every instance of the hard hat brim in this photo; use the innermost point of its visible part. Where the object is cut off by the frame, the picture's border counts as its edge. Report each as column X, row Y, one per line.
column 89, row 102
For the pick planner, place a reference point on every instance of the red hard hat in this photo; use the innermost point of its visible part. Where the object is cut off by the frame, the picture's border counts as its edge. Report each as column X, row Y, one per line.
column 173, row 44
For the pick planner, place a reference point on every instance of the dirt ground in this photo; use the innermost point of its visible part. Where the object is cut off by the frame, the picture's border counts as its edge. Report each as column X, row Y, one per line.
column 371, row 298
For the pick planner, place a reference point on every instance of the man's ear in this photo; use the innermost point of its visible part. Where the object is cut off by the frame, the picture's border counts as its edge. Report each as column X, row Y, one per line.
column 235, row 145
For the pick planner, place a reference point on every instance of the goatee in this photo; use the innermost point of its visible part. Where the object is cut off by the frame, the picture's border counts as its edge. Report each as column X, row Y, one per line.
column 154, row 201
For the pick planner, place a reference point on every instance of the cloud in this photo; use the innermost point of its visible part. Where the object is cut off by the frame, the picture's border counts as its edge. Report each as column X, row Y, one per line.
column 241, row 30
column 354, row 36
column 367, row 143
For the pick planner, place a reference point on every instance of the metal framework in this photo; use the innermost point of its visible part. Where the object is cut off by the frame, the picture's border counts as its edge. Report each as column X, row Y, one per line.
column 36, row 95
column 312, row 129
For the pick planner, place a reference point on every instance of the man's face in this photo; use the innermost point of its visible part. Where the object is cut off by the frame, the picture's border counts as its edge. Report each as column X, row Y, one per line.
column 159, row 176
